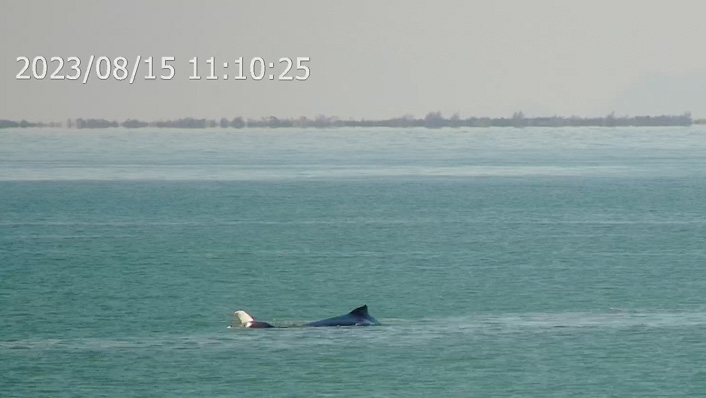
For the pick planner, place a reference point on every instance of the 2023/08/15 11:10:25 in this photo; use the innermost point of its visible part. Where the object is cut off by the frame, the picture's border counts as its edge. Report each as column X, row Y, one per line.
column 257, row 69
column 123, row 68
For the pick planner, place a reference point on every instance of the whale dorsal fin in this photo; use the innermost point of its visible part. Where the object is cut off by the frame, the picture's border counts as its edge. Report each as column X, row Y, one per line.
column 360, row 311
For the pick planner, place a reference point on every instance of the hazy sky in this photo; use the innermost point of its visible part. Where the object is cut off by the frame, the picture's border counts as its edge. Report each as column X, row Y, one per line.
column 369, row 59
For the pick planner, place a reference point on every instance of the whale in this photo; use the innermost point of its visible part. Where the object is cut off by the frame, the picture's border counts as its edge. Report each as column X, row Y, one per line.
column 357, row 317
column 247, row 321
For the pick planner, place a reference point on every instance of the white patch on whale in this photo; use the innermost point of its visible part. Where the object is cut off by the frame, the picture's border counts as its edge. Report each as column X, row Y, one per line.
column 244, row 318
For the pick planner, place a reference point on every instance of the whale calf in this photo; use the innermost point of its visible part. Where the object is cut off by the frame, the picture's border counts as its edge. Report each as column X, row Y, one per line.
column 357, row 317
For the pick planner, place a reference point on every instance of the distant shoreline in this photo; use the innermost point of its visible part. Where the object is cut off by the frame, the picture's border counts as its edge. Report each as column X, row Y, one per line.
column 431, row 120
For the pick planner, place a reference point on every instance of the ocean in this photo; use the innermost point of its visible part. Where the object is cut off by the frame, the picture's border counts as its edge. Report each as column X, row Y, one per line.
column 557, row 262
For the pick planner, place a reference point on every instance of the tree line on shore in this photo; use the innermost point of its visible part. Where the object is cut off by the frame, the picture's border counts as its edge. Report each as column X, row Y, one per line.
column 431, row 120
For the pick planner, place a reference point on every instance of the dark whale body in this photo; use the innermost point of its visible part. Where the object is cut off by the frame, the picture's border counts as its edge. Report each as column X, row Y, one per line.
column 357, row 317
column 259, row 325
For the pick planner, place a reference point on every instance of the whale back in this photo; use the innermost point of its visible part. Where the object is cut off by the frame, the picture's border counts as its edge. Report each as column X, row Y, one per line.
column 357, row 317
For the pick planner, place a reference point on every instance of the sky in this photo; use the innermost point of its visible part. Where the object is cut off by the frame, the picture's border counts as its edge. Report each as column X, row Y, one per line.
column 368, row 59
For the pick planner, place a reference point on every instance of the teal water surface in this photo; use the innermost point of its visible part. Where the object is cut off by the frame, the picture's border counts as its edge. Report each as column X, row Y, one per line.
column 501, row 262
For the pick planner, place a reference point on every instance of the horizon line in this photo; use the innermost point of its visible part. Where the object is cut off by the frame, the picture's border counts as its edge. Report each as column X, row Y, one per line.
column 431, row 120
